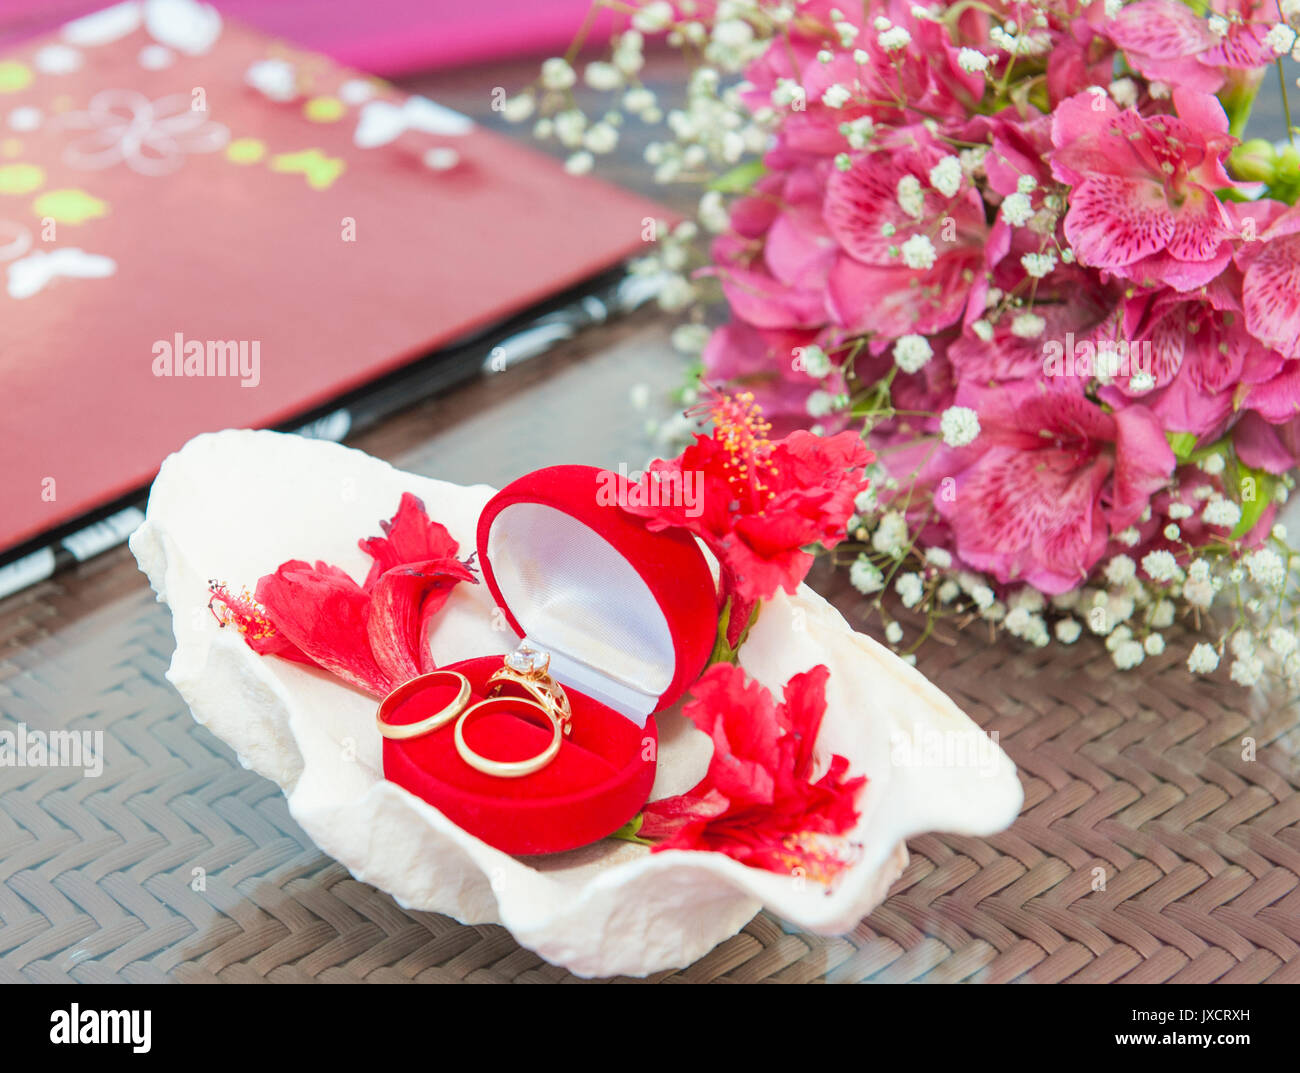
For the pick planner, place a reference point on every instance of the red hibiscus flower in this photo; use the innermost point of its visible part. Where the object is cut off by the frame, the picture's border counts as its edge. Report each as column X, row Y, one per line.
column 373, row 636
column 759, row 502
column 758, row 803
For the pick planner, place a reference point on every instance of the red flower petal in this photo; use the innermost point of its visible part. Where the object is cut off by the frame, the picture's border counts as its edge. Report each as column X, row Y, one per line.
column 756, row 804
column 761, row 502
column 323, row 612
column 402, row 603
column 409, row 537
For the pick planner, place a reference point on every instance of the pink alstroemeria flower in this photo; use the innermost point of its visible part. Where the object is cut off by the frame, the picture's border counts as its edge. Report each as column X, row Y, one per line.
column 1168, row 42
column 871, row 288
column 1271, row 284
column 1050, row 476
column 1143, row 204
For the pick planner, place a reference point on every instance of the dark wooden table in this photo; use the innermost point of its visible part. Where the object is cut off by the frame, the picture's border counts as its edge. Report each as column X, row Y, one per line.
column 1141, row 779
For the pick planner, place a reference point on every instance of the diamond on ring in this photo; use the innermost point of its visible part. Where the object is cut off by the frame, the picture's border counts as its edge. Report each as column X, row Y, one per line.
column 528, row 660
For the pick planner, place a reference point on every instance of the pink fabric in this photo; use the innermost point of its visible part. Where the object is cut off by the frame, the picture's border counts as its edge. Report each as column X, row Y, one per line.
column 388, row 37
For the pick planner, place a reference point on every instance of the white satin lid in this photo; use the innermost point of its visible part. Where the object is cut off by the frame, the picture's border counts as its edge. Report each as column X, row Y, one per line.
column 576, row 597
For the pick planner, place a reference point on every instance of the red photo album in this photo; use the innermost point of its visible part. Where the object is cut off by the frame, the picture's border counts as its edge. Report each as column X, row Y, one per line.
column 202, row 228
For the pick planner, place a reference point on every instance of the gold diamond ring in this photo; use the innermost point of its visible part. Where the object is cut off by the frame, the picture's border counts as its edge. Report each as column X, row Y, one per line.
column 529, row 670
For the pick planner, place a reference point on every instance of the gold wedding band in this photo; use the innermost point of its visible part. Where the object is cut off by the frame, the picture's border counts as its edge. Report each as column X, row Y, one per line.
column 508, row 769
column 529, row 669
column 401, row 731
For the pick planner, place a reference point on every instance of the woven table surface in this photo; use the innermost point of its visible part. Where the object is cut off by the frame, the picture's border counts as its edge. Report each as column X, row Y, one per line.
column 1148, row 848
column 1159, row 840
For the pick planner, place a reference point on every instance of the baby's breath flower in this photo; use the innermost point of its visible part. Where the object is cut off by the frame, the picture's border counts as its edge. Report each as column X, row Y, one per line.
column 1038, row 265
column 819, row 403
column 787, row 93
column 569, row 127
column 1162, row 614
column 638, row 100
column 919, row 252
column 1203, row 659
column 865, row 576
column 939, row 557
column 1028, row 326
column 1128, row 655
column 1266, row 567
column 602, row 138
column 713, row 213
column 1242, row 644
column 653, row 17
column 858, row 132
column 1221, row 512
column 558, row 74
column 894, row 38
column 1123, row 91
column 676, row 292
column 910, row 588
column 815, row 361
column 893, row 633
column 1160, row 565
column 972, row 60
column 1246, row 670
column 890, row 537
column 959, row 426
column 1017, row 209
column 836, row 96
column 1154, row 644
column 600, row 75
column 1283, row 641
column 579, row 163
column 1068, row 630
column 1120, row 570
column 519, row 108
column 911, row 352
column 911, row 199
column 946, row 176
column 690, row 338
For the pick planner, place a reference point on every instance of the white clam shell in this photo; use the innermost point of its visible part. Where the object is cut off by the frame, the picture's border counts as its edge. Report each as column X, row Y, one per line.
column 234, row 505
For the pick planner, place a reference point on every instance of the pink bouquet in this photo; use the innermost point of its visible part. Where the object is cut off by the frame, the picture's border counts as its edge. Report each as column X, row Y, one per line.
column 1023, row 250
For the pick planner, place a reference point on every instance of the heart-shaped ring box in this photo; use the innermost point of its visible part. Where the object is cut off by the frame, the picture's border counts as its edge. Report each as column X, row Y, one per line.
column 628, row 617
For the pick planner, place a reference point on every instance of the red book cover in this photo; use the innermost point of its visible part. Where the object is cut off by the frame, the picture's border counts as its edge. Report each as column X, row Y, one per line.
column 202, row 228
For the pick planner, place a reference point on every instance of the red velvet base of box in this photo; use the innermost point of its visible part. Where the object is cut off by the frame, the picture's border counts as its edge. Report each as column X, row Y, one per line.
column 596, row 784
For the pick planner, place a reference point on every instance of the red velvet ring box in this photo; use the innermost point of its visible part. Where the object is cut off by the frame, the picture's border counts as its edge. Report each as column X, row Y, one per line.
column 628, row 617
